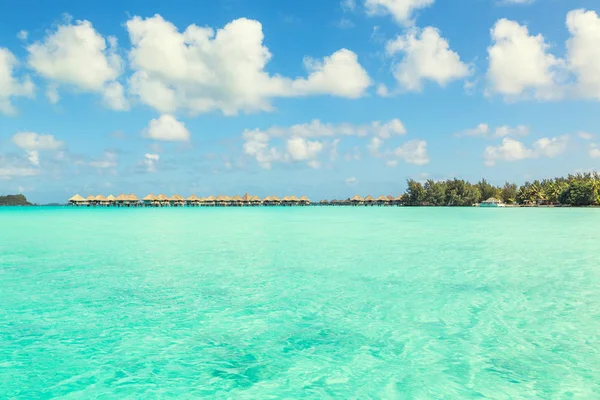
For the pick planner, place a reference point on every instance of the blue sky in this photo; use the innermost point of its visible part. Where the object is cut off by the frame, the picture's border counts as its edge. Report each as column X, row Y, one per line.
column 323, row 98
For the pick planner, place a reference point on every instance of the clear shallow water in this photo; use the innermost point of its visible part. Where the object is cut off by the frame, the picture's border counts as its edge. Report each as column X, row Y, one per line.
column 309, row 302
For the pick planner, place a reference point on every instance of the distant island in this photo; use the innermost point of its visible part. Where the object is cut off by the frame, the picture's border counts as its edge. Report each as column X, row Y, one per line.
column 14, row 200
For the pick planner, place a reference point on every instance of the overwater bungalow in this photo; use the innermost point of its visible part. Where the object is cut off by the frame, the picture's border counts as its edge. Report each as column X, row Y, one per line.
column 209, row 201
column 151, row 200
column 121, row 200
column 357, row 200
column 236, row 200
column 324, row 203
column 110, row 200
column 133, row 200
column 305, row 201
column 176, row 201
column 77, row 200
column 163, row 200
column 246, row 199
column 91, row 200
column 255, row 201
column 369, row 200
column 382, row 201
column 398, row 200
column 101, row 200
column 193, row 201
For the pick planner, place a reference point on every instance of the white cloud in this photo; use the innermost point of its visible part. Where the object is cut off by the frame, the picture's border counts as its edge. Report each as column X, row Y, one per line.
column 167, row 128
column 374, row 145
column 301, row 149
column 9, row 85
column 258, row 143
column 34, row 141
column 413, row 152
column 52, row 94
column 109, row 161
column 77, row 55
column 594, row 151
column 351, row 180
column 391, row 163
column 114, row 97
column 150, row 161
column 545, row 147
column 401, row 10
column 484, row 130
column 585, row 135
column 583, row 51
column 23, row 35
column 201, row 70
column 11, row 172
column 426, row 56
column 339, row 75
column 513, row 150
column 520, row 65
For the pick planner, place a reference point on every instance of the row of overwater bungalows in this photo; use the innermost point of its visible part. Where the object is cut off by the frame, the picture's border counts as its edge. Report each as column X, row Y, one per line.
column 131, row 200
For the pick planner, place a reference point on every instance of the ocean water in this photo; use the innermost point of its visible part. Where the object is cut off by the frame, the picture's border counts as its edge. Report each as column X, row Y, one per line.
column 259, row 303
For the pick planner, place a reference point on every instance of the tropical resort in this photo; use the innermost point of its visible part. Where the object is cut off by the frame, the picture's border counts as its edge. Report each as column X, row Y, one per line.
column 176, row 200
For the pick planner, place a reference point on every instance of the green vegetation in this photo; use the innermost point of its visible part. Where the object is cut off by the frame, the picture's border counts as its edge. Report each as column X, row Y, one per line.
column 14, row 200
column 574, row 190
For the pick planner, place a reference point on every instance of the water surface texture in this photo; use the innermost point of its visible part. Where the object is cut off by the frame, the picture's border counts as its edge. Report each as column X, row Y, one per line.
column 306, row 302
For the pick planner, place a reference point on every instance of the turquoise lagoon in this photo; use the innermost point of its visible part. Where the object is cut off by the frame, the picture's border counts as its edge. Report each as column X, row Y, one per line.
column 299, row 303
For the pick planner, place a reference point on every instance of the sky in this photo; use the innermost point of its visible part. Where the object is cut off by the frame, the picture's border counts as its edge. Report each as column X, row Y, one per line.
column 315, row 97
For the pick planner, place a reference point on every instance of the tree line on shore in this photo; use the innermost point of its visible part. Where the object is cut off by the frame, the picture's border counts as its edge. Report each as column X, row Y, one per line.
column 573, row 190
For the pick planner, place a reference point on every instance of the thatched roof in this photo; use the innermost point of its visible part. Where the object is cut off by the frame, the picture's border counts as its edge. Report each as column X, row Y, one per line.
column 76, row 199
column 293, row 198
column 150, row 197
column 275, row 198
column 399, row 198
column 286, row 198
column 210, row 198
column 91, row 198
column 268, row 198
column 132, row 197
column 176, row 197
column 246, row 198
column 382, row 198
column 324, row 202
column 162, row 197
column 110, row 197
column 369, row 198
column 305, row 199
column 390, row 197
column 193, row 198
column 255, row 199
column 121, row 197
column 236, row 198
column 100, row 198
column 357, row 198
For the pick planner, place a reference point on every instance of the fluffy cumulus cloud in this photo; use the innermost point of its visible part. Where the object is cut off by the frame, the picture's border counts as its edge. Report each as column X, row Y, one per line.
column 485, row 131
column 33, row 143
column 401, row 10
column 10, row 86
column 426, row 56
column 77, row 55
column 513, row 150
column 202, row 70
column 594, row 151
column 167, row 128
column 583, row 51
column 306, row 142
column 519, row 63
column 412, row 152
